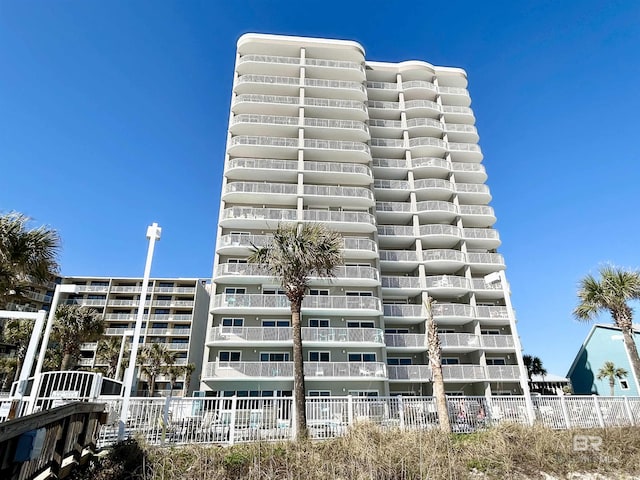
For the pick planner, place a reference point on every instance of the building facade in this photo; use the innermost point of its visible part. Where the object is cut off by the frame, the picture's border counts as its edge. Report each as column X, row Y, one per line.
column 386, row 154
column 604, row 343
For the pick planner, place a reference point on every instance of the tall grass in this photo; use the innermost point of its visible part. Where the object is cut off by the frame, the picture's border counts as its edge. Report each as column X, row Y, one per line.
column 366, row 452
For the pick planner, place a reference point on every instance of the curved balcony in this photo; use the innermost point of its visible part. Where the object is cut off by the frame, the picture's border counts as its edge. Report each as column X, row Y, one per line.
column 477, row 216
column 409, row 373
column 321, row 68
column 260, row 192
column 360, row 248
column 256, row 146
column 473, row 193
column 427, row 146
column 483, row 263
column 351, row 276
column 382, row 90
column 99, row 302
column 492, row 315
column 279, row 304
column 421, row 108
column 392, row 190
column 414, row 89
column 268, row 169
column 390, row 168
column 487, row 291
column 250, row 83
column 383, row 109
column 425, row 127
column 434, row 211
column 265, row 64
column 437, row 235
column 459, row 342
column 315, row 149
column 497, row 342
column 442, row 260
column 463, row 373
column 400, row 285
column 240, row 244
column 503, row 372
column 390, row 236
column 356, row 197
column 327, row 128
column 400, row 260
column 454, row 114
column 453, row 313
column 454, row 96
column 433, row 189
column 333, row 172
column 405, row 314
column 265, row 104
column 385, row 128
column 243, row 273
column 381, row 147
column 318, row 87
column 430, row 167
column 465, row 152
column 448, row 285
column 278, row 125
column 256, row 218
column 459, row 132
column 486, row 238
column 393, row 212
column 342, row 221
column 469, row 172
column 335, row 108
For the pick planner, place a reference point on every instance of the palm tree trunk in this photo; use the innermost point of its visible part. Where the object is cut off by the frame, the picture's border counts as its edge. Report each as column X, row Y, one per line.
column 630, row 345
column 612, row 384
column 66, row 361
column 299, row 390
column 435, row 361
column 152, row 385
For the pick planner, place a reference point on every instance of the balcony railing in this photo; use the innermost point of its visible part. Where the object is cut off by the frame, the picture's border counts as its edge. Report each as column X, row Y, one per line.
column 383, row 105
column 330, row 191
column 410, row 104
column 391, row 184
column 264, row 141
column 312, row 215
column 409, row 372
column 424, row 122
column 418, row 84
column 480, row 234
column 439, row 230
column 427, row 142
column 436, row 206
column 261, row 187
column 284, row 334
column 397, row 207
column 496, row 312
column 442, row 254
column 395, row 231
column 250, row 213
column 486, row 258
column 432, row 183
column 399, row 163
column 285, row 369
column 503, row 372
column 382, row 85
column 463, row 372
column 398, row 256
column 313, row 302
column 453, row 309
column 314, row 62
column 337, row 167
column 336, row 145
column 497, row 341
column 400, row 282
column 413, row 311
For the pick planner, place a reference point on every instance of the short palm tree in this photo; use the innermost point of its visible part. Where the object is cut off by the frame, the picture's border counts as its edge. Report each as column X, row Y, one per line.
column 612, row 292
column 610, row 372
column 296, row 253
column 27, row 256
column 155, row 360
column 533, row 366
column 435, row 362
column 73, row 326
column 189, row 368
column 108, row 352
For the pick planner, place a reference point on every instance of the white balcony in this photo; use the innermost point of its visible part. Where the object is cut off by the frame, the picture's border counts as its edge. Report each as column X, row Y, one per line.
column 400, row 285
column 342, row 221
column 459, row 342
column 409, row 373
column 465, row 152
column 327, row 128
column 414, row 89
column 321, row 68
column 260, row 192
column 256, row 218
column 390, row 168
column 352, row 370
column 372, row 337
column 405, row 314
column 163, row 332
column 265, row 64
column 390, row 236
column 393, row 147
column 392, row 190
column 336, row 150
column 463, row 372
column 497, row 342
column 127, row 289
column 283, row 336
column 335, row 89
column 351, row 276
column 92, row 289
column 244, row 273
column 267, row 169
column 427, row 146
column 381, row 127
column 334, row 172
column 177, row 346
column 284, row 370
column 87, row 302
column 483, row 263
column 355, row 197
column 120, row 316
column 399, row 260
column 382, row 90
column 437, row 235
column 265, row 104
column 178, row 290
column 435, row 211
column 393, row 212
column 492, row 315
column 487, row 291
column 454, row 96
column 486, row 238
column 422, row 108
column 443, row 260
column 360, row 248
column 405, row 342
column 473, row 193
column 172, row 303
column 257, row 146
column 278, row 125
column 452, row 313
column 455, row 114
column 503, row 372
column 461, row 133
column 116, row 331
column 274, row 85
column 332, row 108
column 469, row 172
column 425, row 127
column 477, row 216
column 425, row 167
column 240, row 244
column 433, row 189
column 312, row 304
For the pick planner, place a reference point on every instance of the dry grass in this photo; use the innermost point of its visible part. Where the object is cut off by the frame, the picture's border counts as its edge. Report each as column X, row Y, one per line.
column 366, row 452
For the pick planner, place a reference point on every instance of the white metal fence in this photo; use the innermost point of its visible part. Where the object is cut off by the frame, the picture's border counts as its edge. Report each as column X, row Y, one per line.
column 232, row 420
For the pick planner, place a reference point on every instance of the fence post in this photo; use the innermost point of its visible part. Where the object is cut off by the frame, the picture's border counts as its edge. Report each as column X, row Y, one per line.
column 401, row 411
column 596, row 404
column 565, row 412
column 629, row 411
column 165, row 419
column 232, row 422
column 350, row 409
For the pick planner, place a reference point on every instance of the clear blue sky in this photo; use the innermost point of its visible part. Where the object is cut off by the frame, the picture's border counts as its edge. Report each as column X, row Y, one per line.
column 114, row 114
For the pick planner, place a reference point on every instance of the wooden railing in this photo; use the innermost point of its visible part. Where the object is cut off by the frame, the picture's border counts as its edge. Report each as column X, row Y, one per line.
column 54, row 440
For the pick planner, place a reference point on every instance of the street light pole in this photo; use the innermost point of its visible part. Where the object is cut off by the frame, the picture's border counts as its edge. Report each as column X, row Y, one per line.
column 153, row 234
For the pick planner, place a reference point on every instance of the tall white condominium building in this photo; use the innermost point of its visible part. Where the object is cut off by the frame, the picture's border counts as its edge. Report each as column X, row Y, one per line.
column 387, row 155
column 175, row 315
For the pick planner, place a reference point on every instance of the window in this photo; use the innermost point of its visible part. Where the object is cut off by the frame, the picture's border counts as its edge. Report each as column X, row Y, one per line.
column 450, row 361
column 165, row 284
column 316, row 291
column 161, row 311
column 274, row 356
column 624, row 384
column 446, row 330
column 319, row 357
column 360, row 325
column 319, row 393
column 276, row 323
column 319, row 322
column 229, row 356
column 159, row 325
column 96, row 297
column 235, row 291
column 398, row 361
column 490, row 332
column 163, row 297
column 232, row 322
column 496, row 361
column 396, row 330
column 237, row 260
column 273, row 291
column 363, row 393
column 358, row 294
column 362, row 357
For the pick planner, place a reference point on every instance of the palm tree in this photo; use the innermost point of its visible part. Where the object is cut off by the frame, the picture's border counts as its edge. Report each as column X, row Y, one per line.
column 27, row 256
column 611, row 292
column 296, row 253
column 18, row 333
column 73, row 326
column 189, row 368
column 610, row 372
column 435, row 362
column 155, row 359
column 533, row 366
column 108, row 352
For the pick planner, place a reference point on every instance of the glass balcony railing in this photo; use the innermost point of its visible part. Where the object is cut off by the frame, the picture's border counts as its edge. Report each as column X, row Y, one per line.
column 389, row 281
column 330, row 191
column 395, row 231
column 261, row 187
column 391, row 184
column 250, row 213
column 439, row 230
column 398, row 256
column 447, row 281
column 313, row 302
column 480, row 234
column 418, row 84
column 410, row 373
column 443, row 255
column 396, row 207
column 413, row 311
column 411, row 104
column 433, row 183
column 338, row 217
column 399, row 163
